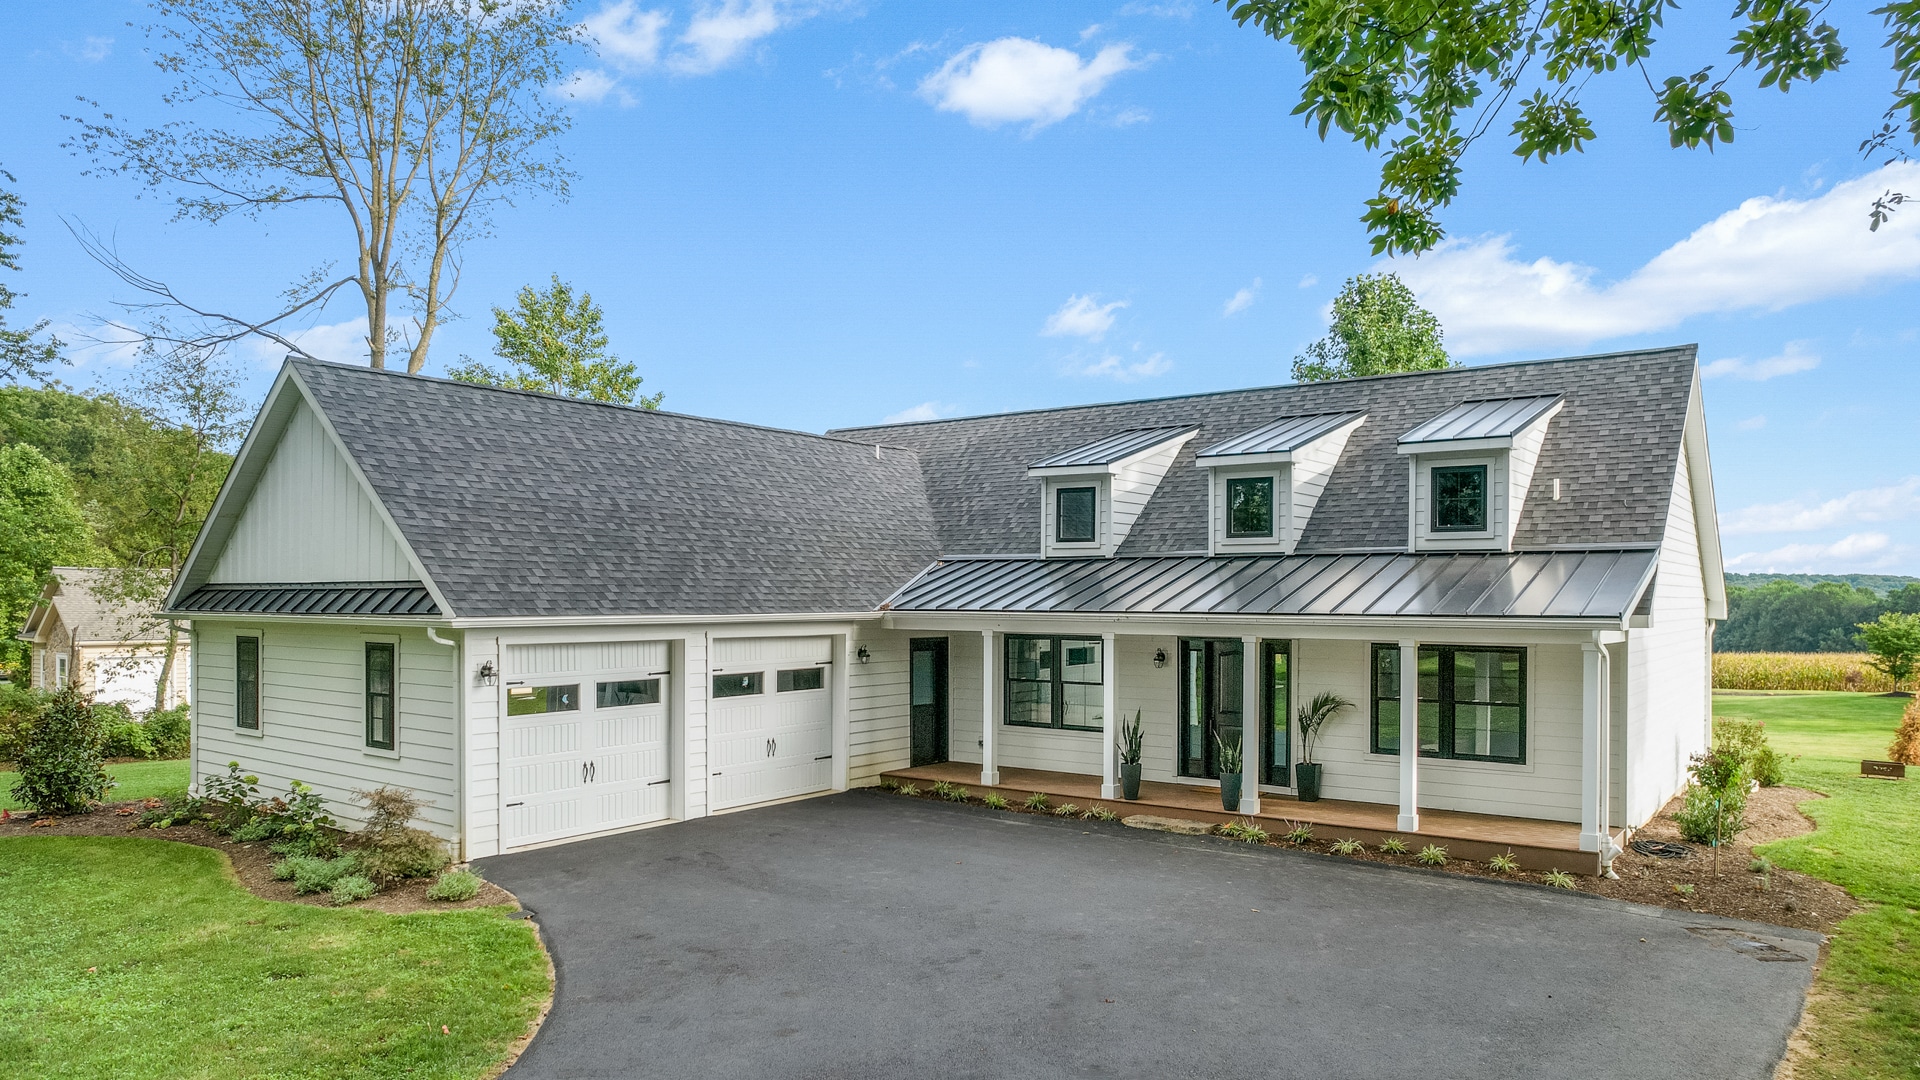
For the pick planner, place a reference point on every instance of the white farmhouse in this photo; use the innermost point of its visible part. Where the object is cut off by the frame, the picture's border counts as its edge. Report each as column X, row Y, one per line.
column 554, row 618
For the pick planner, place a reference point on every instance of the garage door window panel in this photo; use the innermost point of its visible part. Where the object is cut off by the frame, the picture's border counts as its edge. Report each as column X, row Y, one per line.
column 743, row 685
column 812, row 678
column 532, row 700
column 625, row 693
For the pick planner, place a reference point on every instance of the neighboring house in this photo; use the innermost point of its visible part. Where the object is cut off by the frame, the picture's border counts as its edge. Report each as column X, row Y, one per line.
column 82, row 635
column 556, row 618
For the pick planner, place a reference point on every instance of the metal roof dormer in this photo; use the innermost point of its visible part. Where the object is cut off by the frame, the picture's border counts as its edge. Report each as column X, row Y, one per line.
column 1469, row 469
column 1091, row 494
column 1264, row 484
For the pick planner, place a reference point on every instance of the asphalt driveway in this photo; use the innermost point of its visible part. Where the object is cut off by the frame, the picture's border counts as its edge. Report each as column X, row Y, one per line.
column 867, row 935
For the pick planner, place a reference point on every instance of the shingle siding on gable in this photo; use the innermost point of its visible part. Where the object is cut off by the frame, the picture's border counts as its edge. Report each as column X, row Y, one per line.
column 1614, row 447
column 523, row 504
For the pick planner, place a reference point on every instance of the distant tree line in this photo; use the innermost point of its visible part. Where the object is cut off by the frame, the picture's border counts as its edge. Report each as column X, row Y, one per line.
column 1785, row 616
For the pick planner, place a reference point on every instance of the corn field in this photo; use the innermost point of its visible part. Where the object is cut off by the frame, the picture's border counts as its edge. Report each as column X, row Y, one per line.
column 1797, row 671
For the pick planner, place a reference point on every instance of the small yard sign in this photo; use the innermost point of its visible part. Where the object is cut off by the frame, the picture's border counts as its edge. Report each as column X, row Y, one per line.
column 1892, row 770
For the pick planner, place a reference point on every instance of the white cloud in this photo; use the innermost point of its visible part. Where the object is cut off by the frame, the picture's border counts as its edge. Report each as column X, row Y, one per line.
column 1856, row 552
column 1890, row 503
column 1769, row 253
column 722, row 33
column 104, row 345
column 1082, row 316
column 926, row 410
column 629, row 36
column 1164, row 11
column 1308, row 281
column 1241, row 300
column 1752, row 423
column 1017, row 80
column 1793, row 359
column 341, row 342
column 593, row 86
column 1115, row 367
column 1130, row 116
column 91, row 49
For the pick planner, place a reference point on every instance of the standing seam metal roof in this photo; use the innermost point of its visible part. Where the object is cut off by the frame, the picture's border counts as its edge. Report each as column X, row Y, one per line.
column 1497, row 419
column 1285, row 434
column 1111, row 448
column 1560, row 584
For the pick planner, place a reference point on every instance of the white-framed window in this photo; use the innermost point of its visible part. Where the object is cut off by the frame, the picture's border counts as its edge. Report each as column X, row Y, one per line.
column 1460, row 501
column 1076, row 515
column 1251, row 508
column 62, row 668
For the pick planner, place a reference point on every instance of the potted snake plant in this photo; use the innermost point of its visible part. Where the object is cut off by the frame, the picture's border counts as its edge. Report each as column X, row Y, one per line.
column 1312, row 717
column 1227, row 756
column 1129, row 747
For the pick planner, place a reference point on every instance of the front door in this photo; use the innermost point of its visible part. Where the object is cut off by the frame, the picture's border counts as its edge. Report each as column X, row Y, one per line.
column 1211, row 693
column 927, row 700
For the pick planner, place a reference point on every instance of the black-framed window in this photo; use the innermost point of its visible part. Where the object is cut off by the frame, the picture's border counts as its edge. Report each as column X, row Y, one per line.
column 1472, row 699
column 626, row 692
column 1250, row 506
column 745, row 684
column 380, row 656
column 806, row 678
column 532, row 700
column 1054, row 682
column 1075, row 515
column 1459, row 498
column 246, row 682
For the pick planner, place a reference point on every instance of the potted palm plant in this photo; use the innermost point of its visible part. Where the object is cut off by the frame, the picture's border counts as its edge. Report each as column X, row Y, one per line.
column 1227, row 758
column 1130, row 739
column 1312, row 717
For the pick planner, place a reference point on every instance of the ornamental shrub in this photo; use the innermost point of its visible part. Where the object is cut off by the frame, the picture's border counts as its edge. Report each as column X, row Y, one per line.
column 453, row 886
column 168, row 731
column 353, row 887
column 60, row 768
column 19, row 708
column 389, row 847
column 124, row 739
column 1746, row 741
column 1906, row 742
column 1715, row 806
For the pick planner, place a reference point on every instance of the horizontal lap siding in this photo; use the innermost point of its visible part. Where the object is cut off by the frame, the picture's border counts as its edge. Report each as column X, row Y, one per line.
column 879, row 733
column 312, row 716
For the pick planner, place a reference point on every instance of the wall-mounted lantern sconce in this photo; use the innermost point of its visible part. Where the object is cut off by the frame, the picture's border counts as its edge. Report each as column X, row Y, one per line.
column 863, row 655
column 489, row 675
column 1159, row 658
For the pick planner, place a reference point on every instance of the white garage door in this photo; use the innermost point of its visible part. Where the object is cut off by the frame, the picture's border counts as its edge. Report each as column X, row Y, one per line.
column 584, row 739
column 770, row 720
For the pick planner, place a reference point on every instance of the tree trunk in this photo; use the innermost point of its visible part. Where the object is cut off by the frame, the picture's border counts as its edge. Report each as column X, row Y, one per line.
column 166, row 666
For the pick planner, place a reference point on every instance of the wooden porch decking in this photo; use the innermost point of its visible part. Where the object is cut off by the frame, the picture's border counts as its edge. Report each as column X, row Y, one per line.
column 1539, row 845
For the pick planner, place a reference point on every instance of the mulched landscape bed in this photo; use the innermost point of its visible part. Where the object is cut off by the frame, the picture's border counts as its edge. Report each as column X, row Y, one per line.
column 1781, row 897
column 252, row 863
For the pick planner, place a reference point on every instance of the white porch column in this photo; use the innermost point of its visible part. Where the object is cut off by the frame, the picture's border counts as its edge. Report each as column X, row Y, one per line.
column 1109, row 717
column 1250, row 740
column 1596, row 749
column 1409, row 737
column 989, row 706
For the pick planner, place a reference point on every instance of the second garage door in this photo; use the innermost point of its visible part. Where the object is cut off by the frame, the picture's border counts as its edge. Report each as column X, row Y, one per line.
column 770, row 720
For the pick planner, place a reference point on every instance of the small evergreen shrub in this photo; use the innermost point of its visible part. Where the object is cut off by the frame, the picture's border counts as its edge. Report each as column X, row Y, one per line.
column 389, row 847
column 311, row 874
column 19, row 708
column 353, row 887
column 60, row 767
column 121, row 736
column 454, row 886
column 169, row 731
column 1714, row 808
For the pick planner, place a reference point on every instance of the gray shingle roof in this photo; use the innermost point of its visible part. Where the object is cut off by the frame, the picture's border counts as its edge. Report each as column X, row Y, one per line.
column 1111, row 448
column 1614, row 447
column 1500, row 418
column 93, row 610
column 1560, row 584
column 1283, row 435
column 522, row 504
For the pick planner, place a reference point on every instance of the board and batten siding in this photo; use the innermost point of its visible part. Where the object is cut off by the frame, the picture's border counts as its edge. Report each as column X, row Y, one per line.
column 309, row 519
column 1666, row 701
column 313, row 716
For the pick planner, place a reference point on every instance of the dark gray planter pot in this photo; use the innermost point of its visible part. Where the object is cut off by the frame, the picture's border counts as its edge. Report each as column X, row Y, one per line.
column 1306, row 779
column 1130, row 781
column 1230, row 792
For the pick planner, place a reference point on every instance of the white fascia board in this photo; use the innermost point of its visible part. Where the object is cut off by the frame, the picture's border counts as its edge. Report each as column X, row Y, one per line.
column 1457, row 446
column 483, row 622
column 1228, row 461
column 1706, row 514
column 1116, row 466
column 1457, row 630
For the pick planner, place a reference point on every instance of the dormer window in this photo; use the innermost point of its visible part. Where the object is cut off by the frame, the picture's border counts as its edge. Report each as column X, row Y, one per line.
column 1091, row 494
column 1076, row 515
column 1459, row 498
column 1469, row 469
column 1265, row 482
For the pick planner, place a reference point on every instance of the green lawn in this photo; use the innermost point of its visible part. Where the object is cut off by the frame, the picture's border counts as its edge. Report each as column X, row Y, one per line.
column 133, row 957
column 137, row 780
column 1866, row 1007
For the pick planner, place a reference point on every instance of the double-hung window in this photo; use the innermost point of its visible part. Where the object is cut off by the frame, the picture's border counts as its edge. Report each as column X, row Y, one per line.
column 1459, row 502
column 1250, row 507
column 246, row 682
column 1076, row 515
column 1473, row 702
column 380, row 694
column 1054, row 682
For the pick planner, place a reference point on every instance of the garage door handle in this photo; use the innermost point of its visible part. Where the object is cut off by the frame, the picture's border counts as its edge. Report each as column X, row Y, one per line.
column 824, row 757
column 593, row 769
column 657, row 783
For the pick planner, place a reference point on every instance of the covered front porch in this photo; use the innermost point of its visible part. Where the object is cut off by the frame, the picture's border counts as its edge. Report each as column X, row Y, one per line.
column 1538, row 845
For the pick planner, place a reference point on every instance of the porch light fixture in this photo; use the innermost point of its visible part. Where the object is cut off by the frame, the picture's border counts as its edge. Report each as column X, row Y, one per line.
column 1159, row 658
column 863, row 656
column 489, row 675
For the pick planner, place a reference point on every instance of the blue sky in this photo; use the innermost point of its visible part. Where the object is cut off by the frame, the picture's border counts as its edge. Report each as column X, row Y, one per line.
column 813, row 214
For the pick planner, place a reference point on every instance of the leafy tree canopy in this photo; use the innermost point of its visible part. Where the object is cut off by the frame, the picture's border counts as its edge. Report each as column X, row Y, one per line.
column 1378, row 329
column 41, row 527
column 555, row 343
column 1787, row 617
column 22, row 351
column 1428, row 78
